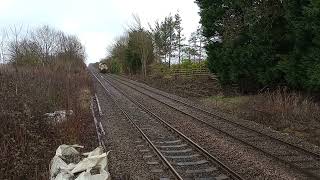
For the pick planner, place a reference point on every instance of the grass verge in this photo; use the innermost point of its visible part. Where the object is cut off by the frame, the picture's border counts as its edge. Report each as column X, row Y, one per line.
column 286, row 112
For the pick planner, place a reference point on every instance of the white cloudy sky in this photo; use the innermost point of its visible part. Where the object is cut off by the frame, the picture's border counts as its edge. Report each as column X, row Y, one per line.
column 95, row 22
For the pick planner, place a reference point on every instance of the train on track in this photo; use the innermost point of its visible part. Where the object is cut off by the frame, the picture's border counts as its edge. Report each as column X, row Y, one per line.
column 103, row 68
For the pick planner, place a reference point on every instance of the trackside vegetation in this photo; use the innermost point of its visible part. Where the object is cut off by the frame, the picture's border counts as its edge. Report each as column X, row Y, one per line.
column 43, row 72
column 163, row 43
column 261, row 44
column 264, row 57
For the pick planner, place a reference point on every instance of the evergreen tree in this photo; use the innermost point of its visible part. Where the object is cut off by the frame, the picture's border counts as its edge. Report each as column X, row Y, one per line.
column 179, row 36
column 158, row 41
column 263, row 43
column 165, row 38
column 170, row 36
column 193, row 46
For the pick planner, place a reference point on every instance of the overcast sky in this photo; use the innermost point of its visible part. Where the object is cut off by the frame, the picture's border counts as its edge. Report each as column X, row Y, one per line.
column 95, row 22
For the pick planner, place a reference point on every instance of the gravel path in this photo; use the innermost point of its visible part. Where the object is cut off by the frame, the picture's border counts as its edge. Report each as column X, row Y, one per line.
column 250, row 163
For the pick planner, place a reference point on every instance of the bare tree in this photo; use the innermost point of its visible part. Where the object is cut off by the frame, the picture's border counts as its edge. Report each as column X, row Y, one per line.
column 46, row 38
column 14, row 53
column 3, row 41
column 69, row 47
column 42, row 46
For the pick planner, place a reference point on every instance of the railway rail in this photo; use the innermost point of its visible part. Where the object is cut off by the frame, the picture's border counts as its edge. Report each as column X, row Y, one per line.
column 296, row 157
column 183, row 157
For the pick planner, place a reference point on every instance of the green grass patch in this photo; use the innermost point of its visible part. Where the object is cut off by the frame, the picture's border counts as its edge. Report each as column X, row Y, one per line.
column 232, row 100
column 227, row 103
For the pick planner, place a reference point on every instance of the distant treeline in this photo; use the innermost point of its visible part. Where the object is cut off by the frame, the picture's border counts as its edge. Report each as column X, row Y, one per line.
column 261, row 44
column 163, row 42
column 39, row 46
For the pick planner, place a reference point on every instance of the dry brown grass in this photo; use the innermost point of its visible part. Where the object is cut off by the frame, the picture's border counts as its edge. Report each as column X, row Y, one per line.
column 289, row 112
column 27, row 140
column 285, row 111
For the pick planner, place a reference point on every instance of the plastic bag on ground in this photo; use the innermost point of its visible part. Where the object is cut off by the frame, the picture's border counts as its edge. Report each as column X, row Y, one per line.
column 94, row 160
column 87, row 175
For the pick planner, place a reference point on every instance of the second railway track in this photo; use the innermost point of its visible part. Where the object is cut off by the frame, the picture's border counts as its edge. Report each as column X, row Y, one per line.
column 298, row 158
column 183, row 157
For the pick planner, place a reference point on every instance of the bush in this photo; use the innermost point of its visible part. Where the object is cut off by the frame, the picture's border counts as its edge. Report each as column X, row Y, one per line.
column 269, row 43
column 188, row 64
column 115, row 67
column 159, row 70
column 27, row 140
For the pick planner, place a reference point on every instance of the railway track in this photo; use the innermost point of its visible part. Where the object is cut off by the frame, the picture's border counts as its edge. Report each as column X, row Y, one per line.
column 304, row 161
column 182, row 156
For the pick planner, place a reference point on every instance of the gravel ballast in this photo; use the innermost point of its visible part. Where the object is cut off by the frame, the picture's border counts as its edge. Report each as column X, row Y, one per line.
column 125, row 159
column 250, row 163
column 260, row 127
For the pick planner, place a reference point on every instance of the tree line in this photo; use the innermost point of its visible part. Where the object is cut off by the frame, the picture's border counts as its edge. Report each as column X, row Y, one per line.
column 259, row 44
column 163, row 42
column 39, row 46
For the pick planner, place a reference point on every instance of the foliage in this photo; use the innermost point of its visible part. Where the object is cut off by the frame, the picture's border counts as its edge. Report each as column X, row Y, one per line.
column 138, row 48
column 159, row 70
column 165, row 37
column 132, row 52
column 195, row 49
column 179, row 37
column 115, row 67
column 188, row 64
column 263, row 43
column 169, row 41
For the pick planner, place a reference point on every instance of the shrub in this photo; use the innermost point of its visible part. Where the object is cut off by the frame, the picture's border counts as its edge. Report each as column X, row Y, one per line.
column 159, row 70
column 115, row 67
column 267, row 43
column 188, row 64
column 27, row 140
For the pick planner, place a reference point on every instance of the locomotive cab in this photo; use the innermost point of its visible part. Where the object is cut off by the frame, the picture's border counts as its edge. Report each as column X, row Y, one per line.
column 103, row 68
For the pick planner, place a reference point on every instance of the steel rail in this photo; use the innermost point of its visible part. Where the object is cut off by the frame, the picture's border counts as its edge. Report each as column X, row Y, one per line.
column 162, row 157
column 306, row 172
column 212, row 114
column 215, row 160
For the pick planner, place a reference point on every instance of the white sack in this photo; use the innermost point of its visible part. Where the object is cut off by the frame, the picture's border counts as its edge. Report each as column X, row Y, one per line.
column 60, row 170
